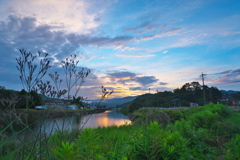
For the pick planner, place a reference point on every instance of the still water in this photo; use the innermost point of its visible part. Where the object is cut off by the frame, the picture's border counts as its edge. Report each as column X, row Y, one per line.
column 105, row 119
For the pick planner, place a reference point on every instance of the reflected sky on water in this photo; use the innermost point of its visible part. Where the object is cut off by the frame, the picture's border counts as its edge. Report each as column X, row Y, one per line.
column 105, row 119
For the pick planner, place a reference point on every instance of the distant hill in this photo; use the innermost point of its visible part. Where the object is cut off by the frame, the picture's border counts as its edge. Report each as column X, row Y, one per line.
column 161, row 99
column 127, row 104
column 229, row 91
column 115, row 101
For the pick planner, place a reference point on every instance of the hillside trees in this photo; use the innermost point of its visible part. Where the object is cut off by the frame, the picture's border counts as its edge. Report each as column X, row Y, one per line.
column 236, row 96
column 213, row 94
column 188, row 93
column 20, row 99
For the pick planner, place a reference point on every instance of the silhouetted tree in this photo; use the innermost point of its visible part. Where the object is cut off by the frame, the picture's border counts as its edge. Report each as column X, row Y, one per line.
column 105, row 95
column 56, row 91
column 30, row 72
column 74, row 77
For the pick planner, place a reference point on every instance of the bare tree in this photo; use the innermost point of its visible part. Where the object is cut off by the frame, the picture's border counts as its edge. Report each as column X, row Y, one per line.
column 57, row 82
column 29, row 75
column 80, row 77
column 43, row 87
column 74, row 78
column 105, row 95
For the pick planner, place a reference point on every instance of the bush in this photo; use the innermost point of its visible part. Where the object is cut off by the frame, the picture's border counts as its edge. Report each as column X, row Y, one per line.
column 206, row 116
column 134, row 106
column 233, row 149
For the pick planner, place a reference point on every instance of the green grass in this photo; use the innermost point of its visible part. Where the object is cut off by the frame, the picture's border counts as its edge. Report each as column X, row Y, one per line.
column 208, row 132
column 235, row 118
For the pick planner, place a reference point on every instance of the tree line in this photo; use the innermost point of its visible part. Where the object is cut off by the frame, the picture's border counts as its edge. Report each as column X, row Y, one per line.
column 10, row 99
column 189, row 93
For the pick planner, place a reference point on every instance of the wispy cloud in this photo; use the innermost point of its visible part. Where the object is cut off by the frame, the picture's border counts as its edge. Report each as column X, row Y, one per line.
column 145, row 27
column 98, row 41
column 124, row 47
column 135, row 56
column 223, row 77
column 163, row 83
column 164, row 52
column 170, row 32
column 229, row 76
column 232, row 71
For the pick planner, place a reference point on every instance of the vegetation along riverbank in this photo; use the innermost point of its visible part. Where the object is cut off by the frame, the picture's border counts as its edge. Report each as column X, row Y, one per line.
column 208, row 132
column 32, row 115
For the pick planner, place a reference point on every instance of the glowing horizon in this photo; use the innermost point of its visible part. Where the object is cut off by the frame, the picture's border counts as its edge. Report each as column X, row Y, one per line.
column 130, row 46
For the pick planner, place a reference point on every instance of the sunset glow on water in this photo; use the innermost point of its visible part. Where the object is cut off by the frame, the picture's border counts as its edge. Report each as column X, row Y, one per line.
column 105, row 119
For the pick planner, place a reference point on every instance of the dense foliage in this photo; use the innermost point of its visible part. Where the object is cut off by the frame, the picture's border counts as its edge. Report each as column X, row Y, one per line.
column 10, row 96
column 208, row 132
column 188, row 93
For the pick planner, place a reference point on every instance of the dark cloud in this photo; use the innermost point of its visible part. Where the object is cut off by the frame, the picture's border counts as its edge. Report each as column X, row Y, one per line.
column 136, row 88
column 25, row 33
column 122, row 74
column 124, row 81
column 224, row 72
column 163, row 83
column 98, row 41
column 235, row 71
column 146, row 80
column 227, row 76
column 119, row 77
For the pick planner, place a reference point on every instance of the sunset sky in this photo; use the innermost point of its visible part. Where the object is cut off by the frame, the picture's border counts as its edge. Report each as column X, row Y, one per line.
column 129, row 45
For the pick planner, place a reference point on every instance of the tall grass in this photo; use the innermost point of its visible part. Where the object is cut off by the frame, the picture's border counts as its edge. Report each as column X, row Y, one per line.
column 208, row 132
column 18, row 140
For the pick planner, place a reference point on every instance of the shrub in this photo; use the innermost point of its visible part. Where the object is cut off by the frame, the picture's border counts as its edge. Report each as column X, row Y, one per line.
column 233, row 150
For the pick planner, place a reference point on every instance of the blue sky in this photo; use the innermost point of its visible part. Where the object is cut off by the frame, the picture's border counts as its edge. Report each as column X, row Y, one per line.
column 129, row 45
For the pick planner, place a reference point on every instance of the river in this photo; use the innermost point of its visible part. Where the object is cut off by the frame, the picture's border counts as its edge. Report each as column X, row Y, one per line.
column 105, row 119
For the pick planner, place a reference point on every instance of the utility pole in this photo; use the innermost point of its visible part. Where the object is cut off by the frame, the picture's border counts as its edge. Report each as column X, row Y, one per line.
column 204, row 99
column 149, row 90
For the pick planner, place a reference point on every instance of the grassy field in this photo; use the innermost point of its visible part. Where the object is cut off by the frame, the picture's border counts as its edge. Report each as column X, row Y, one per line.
column 208, row 132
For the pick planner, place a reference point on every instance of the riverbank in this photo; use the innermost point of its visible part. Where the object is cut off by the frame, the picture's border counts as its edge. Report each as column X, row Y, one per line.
column 31, row 115
column 165, row 116
column 56, row 113
column 207, row 132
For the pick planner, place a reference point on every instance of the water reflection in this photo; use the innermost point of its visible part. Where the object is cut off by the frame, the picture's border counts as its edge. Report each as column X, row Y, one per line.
column 108, row 118
column 105, row 119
